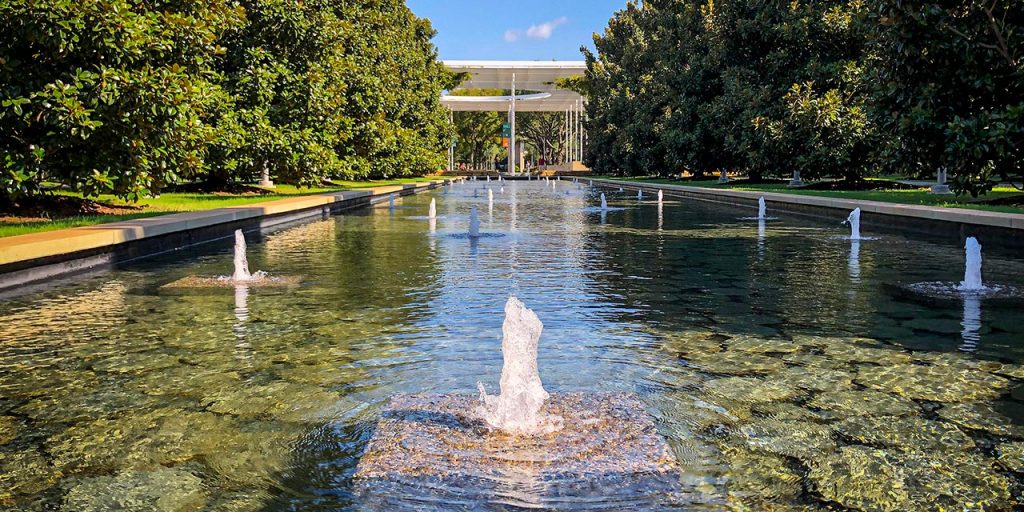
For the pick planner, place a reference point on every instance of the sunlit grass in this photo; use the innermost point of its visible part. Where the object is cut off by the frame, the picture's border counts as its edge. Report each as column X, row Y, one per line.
column 176, row 202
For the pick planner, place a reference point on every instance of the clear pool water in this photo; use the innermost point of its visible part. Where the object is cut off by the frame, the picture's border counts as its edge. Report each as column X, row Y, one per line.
column 788, row 369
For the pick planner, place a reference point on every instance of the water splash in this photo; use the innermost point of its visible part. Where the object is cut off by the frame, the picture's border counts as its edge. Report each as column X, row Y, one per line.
column 432, row 211
column 474, row 223
column 762, row 209
column 241, row 274
column 490, row 196
column 854, row 221
column 639, row 194
column 972, row 272
column 391, row 201
column 517, row 409
column 661, row 196
column 604, row 203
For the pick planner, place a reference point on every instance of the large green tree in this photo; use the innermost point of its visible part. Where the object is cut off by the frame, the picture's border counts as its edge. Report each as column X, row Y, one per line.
column 949, row 89
column 128, row 96
column 334, row 89
column 109, row 96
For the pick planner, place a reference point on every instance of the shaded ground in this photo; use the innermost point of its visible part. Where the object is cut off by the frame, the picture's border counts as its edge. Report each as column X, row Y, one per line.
column 46, row 208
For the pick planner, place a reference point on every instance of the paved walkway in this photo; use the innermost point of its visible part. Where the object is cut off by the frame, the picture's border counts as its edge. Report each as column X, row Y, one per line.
column 936, row 213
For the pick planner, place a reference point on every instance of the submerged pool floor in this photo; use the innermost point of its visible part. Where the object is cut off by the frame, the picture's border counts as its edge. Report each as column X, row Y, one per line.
column 787, row 369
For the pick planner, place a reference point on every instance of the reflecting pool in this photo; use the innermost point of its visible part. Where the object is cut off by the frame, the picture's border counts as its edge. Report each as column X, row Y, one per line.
column 787, row 368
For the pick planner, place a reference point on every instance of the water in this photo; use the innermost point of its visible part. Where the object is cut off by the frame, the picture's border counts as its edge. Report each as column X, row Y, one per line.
column 517, row 409
column 972, row 268
column 432, row 211
column 854, row 221
column 770, row 357
column 762, row 209
column 241, row 273
column 474, row 223
column 604, row 203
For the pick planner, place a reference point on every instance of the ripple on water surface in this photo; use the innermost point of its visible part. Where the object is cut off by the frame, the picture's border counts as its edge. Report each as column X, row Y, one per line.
column 785, row 370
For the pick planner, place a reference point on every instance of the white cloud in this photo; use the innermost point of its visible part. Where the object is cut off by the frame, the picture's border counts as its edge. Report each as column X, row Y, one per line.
column 539, row 31
column 544, row 30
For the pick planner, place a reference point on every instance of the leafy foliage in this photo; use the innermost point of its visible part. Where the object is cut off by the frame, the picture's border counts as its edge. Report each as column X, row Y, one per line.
column 125, row 96
column 950, row 89
column 834, row 88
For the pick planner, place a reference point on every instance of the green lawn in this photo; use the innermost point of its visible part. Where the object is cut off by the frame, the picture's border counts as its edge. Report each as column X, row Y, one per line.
column 919, row 196
column 187, row 202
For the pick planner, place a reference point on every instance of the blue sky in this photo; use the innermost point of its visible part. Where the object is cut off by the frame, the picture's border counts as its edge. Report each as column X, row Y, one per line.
column 516, row 30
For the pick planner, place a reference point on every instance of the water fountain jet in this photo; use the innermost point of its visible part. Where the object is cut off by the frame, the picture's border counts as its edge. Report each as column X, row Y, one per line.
column 972, row 269
column 854, row 221
column 762, row 209
column 474, row 223
column 597, row 447
column 604, row 203
column 241, row 274
column 517, row 410
column 432, row 210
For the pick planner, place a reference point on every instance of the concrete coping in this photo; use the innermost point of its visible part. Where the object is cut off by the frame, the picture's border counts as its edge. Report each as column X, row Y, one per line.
column 33, row 246
column 957, row 215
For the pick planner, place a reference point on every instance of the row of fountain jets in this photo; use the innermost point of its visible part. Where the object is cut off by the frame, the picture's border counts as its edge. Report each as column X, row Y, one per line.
column 972, row 283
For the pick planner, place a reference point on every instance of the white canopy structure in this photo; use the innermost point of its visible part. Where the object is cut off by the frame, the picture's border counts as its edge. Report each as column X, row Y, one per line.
column 534, row 76
column 539, row 79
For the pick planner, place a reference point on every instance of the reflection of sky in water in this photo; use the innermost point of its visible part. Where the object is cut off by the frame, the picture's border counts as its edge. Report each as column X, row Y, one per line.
column 394, row 304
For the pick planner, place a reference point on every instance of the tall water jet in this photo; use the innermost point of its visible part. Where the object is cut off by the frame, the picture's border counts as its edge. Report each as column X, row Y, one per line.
column 490, row 196
column 854, row 221
column 432, row 211
column 762, row 209
column 604, row 203
column 517, row 409
column 639, row 194
column 474, row 223
column 972, row 272
column 661, row 197
column 241, row 274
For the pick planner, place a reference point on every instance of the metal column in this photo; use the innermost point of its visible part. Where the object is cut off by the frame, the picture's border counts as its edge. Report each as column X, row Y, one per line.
column 512, row 124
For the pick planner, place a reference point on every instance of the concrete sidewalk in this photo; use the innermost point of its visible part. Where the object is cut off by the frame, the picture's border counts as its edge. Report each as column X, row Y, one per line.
column 934, row 213
column 23, row 252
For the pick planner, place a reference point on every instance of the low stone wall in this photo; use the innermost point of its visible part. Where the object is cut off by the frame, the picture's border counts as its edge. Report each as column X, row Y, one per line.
column 996, row 230
column 35, row 257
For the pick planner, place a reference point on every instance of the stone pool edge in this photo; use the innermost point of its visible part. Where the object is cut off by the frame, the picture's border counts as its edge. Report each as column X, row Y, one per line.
column 36, row 257
column 1000, row 228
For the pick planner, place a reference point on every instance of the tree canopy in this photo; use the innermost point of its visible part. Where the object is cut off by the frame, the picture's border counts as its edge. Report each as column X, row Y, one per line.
column 127, row 97
column 834, row 88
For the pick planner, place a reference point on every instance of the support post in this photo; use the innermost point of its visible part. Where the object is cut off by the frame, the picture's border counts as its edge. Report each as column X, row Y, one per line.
column 512, row 124
column 940, row 187
column 265, row 181
column 796, row 181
